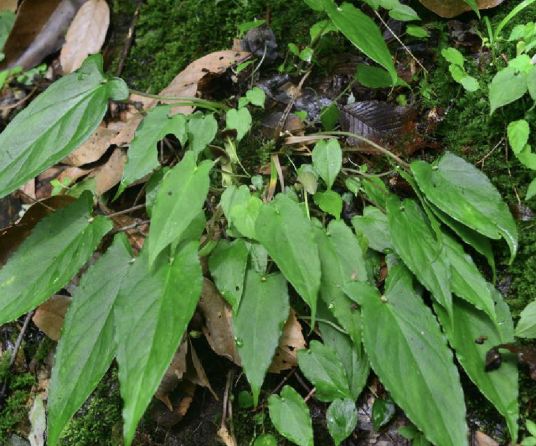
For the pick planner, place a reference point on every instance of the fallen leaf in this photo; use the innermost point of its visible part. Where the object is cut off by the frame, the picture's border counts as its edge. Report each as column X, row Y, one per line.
column 186, row 83
column 452, row 8
column 28, row 192
column 181, row 399
column 85, row 35
column 38, row 31
column 290, row 342
column 72, row 174
column 173, row 375
column 10, row 5
column 483, row 440
column 50, row 315
column 93, row 149
column 38, row 419
column 226, row 437
column 197, row 374
column 110, row 173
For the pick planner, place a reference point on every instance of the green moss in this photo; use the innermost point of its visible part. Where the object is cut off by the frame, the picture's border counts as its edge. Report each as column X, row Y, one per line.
column 14, row 409
column 170, row 34
column 97, row 422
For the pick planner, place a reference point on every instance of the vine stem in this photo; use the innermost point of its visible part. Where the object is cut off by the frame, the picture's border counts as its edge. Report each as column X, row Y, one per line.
column 324, row 321
column 198, row 102
column 375, row 146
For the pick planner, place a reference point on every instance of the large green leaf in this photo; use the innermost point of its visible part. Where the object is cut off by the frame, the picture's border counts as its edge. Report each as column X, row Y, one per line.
column 227, row 264
column 466, row 280
column 341, row 418
column 286, row 233
column 290, row 415
column 357, row 366
column 327, row 160
column 259, row 323
column 179, row 199
column 361, row 30
column 201, row 131
column 415, row 243
column 142, row 153
column 87, row 346
column 373, row 225
column 54, row 252
column 56, row 123
column 526, row 327
column 411, row 357
column 323, row 367
column 499, row 386
column 506, row 87
column 341, row 259
column 463, row 192
column 152, row 312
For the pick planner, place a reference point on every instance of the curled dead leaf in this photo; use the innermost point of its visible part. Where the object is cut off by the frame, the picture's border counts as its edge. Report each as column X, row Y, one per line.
column 92, row 150
column 85, row 35
column 187, row 83
column 50, row 315
column 290, row 342
column 196, row 374
column 452, row 8
column 173, row 375
column 110, row 173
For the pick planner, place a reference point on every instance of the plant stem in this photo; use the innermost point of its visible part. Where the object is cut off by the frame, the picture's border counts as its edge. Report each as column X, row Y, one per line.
column 197, row 102
column 377, row 147
column 324, row 321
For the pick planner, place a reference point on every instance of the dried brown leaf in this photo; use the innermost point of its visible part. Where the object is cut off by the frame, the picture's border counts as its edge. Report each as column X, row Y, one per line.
column 483, row 440
column 290, row 342
column 226, row 437
column 196, row 374
column 110, row 173
column 92, row 150
column 38, row 31
column 10, row 5
column 173, row 375
column 186, row 83
column 452, row 8
column 86, row 34
column 50, row 314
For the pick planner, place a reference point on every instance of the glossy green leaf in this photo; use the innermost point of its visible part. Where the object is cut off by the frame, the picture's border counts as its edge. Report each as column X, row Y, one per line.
column 258, row 256
column 152, row 312
column 87, row 346
column 151, row 188
column 527, row 158
column 414, row 241
column 202, row 130
column 518, row 135
column 376, row 190
column 531, row 427
column 142, row 153
column 227, row 264
column 531, row 84
column 470, row 83
column 341, row 260
column 7, row 20
column 323, row 367
column 499, row 386
column 383, row 411
column 266, row 440
column 506, row 87
column 526, row 327
column 290, row 416
column 57, row 248
column 327, row 160
column 531, row 191
column 479, row 242
column 231, row 197
column 287, row 234
column 417, row 31
column 244, row 216
column 411, row 357
column 179, row 199
column 329, row 202
column 259, row 323
column 464, row 193
column 374, row 226
column 453, row 56
column 356, row 365
column 403, row 13
column 466, row 280
column 256, row 96
column 375, row 77
column 56, row 123
column 341, row 418
column 239, row 120
column 329, row 117
column 362, row 31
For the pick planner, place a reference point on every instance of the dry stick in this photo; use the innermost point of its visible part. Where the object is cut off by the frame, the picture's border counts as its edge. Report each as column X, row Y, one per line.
column 283, row 381
column 126, row 211
column 130, row 38
column 19, row 102
column 483, row 160
column 16, row 350
column 227, row 405
column 310, row 394
column 132, row 226
column 400, row 42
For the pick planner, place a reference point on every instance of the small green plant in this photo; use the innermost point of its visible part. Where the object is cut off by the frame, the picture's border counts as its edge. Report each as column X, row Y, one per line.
column 531, row 440
column 457, row 70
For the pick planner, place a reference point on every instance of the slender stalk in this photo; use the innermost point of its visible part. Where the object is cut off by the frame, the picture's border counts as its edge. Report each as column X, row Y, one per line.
column 375, row 146
column 198, row 102
column 324, row 321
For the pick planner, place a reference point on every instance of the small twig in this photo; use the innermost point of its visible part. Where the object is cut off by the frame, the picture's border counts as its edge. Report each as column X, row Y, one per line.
column 310, row 394
column 400, row 42
column 20, row 101
column 483, row 160
column 126, row 211
column 36, row 201
column 130, row 38
column 283, row 381
column 132, row 226
column 16, row 350
column 218, row 222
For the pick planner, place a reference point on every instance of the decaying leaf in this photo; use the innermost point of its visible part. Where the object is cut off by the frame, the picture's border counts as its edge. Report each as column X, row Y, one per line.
column 86, row 34
column 173, row 375
column 10, row 5
column 38, row 419
column 290, row 342
column 186, row 83
column 483, row 440
column 50, row 314
column 180, row 399
column 92, row 150
column 452, row 8
column 196, row 374
column 226, row 437
column 525, row 355
column 109, row 174
column 375, row 120
column 38, row 31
